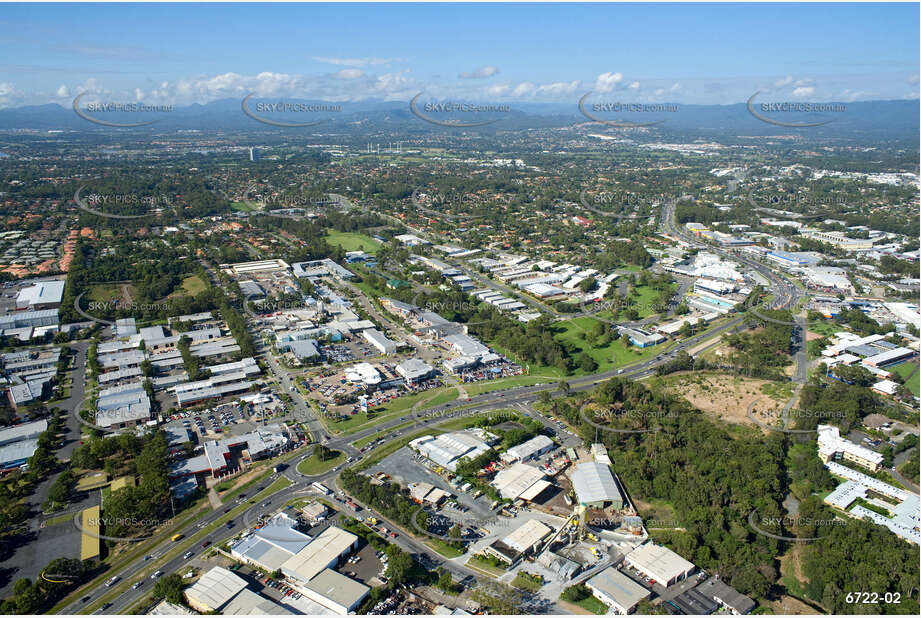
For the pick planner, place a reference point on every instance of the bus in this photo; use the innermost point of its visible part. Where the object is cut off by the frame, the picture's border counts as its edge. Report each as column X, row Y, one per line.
column 320, row 487
column 176, row 537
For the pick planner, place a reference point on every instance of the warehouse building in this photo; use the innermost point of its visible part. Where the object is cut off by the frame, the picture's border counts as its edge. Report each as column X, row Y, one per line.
column 272, row 545
column 377, row 339
column 324, row 552
column 248, row 603
column 449, row 448
column 532, row 449
column 520, row 481
column 521, row 542
column 334, row 591
column 659, row 563
column 728, row 597
column 214, row 590
column 617, row 591
column 595, row 486
column 42, row 295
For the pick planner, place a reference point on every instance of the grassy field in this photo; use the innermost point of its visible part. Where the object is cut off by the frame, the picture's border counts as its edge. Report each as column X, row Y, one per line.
column 477, row 563
column 392, row 408
column 443, row 548
column 243, row 206
column 593, row 605
column 479, row 388
column 105, row 293
column 906, row 369
column 570, row 331
column 352, row 241
column 312, row 465
column 524, row 582
column 374, row 436
column 193, row 285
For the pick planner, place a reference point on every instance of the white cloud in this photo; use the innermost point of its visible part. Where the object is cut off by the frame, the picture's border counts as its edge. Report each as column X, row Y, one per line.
column 481, row 73
column 676, row 87
column 357, row 62
column 349, row 74
column 803, row 91
column 634, row 86
column 606, row 82
column 63, row 92
column 523, row 89
column 786, row 81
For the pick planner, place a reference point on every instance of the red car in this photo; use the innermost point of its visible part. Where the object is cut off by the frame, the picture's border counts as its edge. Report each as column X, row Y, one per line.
column 205, row 544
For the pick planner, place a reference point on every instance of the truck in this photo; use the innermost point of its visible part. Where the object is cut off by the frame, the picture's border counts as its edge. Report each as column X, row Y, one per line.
column 176, row 537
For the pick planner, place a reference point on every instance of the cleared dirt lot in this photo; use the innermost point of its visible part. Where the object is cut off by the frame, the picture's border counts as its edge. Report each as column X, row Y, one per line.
column 724, row 396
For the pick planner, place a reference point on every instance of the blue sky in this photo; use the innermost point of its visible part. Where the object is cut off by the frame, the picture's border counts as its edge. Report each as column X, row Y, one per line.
column 682, row 53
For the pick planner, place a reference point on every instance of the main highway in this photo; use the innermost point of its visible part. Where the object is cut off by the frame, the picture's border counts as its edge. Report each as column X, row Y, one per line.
column 168, row 557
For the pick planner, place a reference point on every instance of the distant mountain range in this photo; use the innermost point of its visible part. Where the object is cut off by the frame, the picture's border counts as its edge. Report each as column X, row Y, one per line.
column 863, row 121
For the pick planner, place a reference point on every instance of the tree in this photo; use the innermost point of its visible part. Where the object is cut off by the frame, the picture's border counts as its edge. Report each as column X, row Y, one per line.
column 169, row 588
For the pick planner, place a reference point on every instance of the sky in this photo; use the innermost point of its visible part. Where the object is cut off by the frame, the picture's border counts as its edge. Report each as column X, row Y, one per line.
column 682, row 53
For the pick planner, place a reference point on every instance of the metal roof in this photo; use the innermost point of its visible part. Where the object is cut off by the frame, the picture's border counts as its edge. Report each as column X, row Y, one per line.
column 594, row 482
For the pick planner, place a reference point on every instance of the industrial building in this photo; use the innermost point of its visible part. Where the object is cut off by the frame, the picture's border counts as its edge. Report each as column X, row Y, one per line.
column 728, row 597
column 248, row 603
column 214, row 590
column 321, row 553
column 523, row 541
column 533, row 448
column 617, row 591
column 595, row 486
column 659, row 563
column 334, row 591
column 41, row 295
column 520, row 481
column 18, row 443
column 377, row 339
column 449, row 448
column 272, row 545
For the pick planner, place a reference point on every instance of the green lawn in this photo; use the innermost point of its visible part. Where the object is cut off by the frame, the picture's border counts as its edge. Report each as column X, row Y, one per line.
column 193, row 285
column 475, row 562
column 523, row 582
column 443, row 548
column 904, row 370
column 243, row 206
column 593, row 605
column 312, row 465
column 478, row 388
column 569, row 331
column 374, row 436
column 392, row 408
column 353, row 241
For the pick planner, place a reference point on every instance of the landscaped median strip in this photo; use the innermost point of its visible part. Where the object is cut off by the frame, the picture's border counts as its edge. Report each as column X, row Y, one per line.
column 183, row 546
